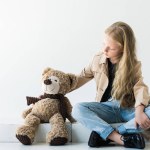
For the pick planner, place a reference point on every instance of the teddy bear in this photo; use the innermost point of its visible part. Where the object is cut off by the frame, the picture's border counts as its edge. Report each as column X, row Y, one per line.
column 52, row 107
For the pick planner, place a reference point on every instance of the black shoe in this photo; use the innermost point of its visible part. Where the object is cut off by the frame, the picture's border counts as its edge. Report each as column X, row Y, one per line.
column 133, row 141
column 96, row 141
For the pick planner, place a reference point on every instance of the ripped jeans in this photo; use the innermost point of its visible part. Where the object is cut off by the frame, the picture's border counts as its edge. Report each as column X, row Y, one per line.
column 99, row 117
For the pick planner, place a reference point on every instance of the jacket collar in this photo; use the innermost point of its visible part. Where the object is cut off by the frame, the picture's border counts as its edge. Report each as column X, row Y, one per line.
column 103, row 59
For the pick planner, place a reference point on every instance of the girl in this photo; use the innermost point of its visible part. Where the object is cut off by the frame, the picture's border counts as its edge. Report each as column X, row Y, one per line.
column 121, row 94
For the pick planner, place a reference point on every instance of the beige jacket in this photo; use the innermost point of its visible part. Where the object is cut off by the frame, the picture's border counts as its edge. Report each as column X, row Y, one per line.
column 98, row 70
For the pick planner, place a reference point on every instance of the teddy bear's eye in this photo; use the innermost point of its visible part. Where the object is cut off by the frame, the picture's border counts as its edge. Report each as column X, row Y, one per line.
column 56, row 80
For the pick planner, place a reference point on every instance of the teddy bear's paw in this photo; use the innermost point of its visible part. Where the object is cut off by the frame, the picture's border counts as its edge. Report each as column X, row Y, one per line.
column 24, row 139
column 58, row 141
column 72, row 120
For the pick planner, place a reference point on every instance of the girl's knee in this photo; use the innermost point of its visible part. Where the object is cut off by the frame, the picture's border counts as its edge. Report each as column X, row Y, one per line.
column 77, row 109
column 147, row 111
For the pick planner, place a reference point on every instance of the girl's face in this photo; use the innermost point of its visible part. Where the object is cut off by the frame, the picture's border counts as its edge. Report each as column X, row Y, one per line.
column 111, row 48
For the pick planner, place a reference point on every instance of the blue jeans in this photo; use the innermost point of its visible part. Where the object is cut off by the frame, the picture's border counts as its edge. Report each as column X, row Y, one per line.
column 99, row 116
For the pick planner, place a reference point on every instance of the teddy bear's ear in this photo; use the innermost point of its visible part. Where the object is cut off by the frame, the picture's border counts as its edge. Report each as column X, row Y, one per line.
column 47, row 70
column 73, row 81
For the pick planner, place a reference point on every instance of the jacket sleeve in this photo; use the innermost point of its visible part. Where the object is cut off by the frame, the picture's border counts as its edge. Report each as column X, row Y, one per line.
column 85, row 75
column 140, row 89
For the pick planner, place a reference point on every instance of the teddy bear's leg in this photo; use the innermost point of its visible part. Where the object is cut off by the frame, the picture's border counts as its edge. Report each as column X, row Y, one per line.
column 25, row 133
column 58, row 134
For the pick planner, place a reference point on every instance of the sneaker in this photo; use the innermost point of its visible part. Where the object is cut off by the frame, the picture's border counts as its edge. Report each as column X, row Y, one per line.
column 96, row 141
column 133, row 141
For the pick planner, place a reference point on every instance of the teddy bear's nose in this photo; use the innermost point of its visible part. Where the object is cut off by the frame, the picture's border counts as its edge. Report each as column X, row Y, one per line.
column 47, row 82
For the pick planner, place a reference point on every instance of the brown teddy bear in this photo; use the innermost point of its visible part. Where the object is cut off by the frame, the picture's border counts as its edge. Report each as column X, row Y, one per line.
column 52, row 107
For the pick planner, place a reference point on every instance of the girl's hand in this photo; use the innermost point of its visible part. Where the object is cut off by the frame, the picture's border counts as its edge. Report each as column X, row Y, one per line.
column 141, row 118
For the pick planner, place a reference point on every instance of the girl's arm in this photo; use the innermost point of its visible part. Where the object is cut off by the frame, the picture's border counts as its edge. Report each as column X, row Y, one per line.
column 140, row 88
column 141, row 118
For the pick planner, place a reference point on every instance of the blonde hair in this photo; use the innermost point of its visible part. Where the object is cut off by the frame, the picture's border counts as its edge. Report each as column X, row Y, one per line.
column 125, row 74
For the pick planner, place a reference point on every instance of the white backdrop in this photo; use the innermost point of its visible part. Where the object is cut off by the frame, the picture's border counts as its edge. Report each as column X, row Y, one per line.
column 63, row 34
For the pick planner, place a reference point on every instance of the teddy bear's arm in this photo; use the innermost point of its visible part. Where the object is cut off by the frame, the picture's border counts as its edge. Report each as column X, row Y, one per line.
column 69, row 110
column 26, row 112
column 71, row 119
column 68, row 105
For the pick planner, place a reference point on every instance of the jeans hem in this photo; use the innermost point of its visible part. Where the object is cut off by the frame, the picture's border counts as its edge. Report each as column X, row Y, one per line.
column 121, row 129
column 106, row 132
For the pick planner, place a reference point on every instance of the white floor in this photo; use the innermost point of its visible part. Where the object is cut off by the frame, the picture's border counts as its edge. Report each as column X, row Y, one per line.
column 79, row 136
column 70, row 146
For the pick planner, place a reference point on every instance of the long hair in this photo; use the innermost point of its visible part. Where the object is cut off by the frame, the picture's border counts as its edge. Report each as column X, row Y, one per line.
column 125, row 73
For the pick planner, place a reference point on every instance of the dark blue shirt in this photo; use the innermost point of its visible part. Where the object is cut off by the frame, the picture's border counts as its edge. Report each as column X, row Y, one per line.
column 111, row 76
